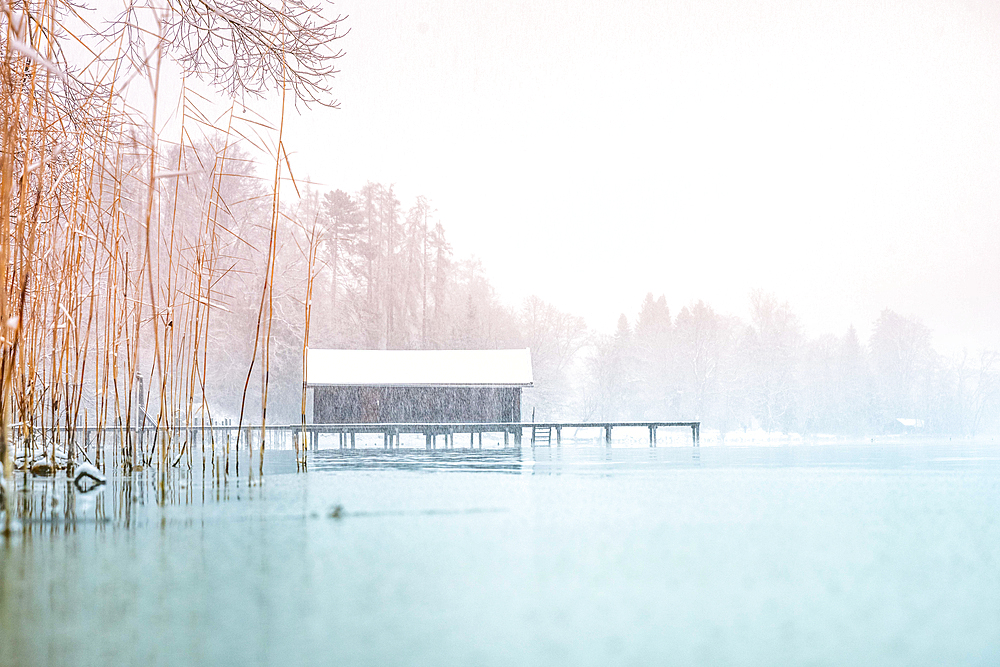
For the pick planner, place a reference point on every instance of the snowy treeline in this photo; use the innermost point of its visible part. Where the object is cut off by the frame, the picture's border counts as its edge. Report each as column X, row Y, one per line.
column 765, row 373
column 384, row 276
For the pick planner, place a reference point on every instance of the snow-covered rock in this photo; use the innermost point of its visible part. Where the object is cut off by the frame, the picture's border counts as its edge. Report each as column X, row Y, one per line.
column 88, row 476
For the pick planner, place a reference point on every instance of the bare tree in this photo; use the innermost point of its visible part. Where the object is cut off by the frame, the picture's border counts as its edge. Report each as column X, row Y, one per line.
column 243, row 47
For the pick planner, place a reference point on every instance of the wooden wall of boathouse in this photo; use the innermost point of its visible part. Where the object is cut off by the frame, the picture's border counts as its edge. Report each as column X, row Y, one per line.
column 381, row 405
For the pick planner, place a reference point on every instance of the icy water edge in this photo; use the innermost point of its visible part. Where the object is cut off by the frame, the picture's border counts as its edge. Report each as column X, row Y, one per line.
column 573, row 555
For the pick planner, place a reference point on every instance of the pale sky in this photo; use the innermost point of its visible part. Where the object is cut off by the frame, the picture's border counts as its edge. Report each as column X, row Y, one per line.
column 844, row 155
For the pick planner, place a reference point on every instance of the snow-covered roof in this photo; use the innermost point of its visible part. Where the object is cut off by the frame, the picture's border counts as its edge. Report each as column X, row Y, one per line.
column 492, row 368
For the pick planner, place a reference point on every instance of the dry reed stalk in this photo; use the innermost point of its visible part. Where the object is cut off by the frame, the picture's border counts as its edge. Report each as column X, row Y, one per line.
column 272, row 261
column 310, row 278
column 265, row 306
column 154, row 81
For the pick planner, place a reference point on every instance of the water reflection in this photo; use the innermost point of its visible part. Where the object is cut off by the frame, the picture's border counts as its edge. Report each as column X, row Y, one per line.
column 603, row 460
column 43, row 504
column 455, row 460
column 54, row 504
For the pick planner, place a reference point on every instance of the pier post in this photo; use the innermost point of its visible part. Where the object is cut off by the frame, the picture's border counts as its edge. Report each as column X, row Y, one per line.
column 607, row 434
column 558, row 435
column 695, row 435
column 518, row 432
column 352, row 439
column 480, row 440
column 506, row 437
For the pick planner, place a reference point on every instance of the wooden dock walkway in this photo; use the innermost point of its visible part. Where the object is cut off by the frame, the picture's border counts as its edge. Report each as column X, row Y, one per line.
column 282, row 435
column 541, row 432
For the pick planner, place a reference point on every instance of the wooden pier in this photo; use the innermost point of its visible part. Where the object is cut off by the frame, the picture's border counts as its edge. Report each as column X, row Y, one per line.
column 282, row 436
column 541, row 432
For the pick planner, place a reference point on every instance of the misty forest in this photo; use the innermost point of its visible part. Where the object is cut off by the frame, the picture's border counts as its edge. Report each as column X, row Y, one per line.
column 384, row 276
column 381, row 275
column 232, row 274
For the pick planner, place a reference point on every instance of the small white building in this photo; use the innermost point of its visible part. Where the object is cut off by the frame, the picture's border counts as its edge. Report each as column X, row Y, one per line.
column 417, row 386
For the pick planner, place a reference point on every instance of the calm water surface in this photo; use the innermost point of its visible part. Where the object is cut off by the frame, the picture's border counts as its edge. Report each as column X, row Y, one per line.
column 803, row 555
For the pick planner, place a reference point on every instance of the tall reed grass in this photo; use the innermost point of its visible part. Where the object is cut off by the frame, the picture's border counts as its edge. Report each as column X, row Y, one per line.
column 109, row 286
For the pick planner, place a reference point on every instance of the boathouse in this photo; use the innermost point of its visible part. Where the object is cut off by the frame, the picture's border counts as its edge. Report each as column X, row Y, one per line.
column 417, row 386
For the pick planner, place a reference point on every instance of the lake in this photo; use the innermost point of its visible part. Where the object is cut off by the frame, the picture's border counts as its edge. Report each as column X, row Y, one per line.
column 881, row 553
